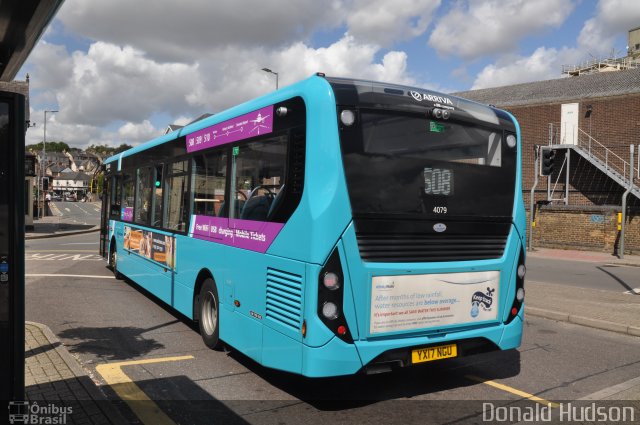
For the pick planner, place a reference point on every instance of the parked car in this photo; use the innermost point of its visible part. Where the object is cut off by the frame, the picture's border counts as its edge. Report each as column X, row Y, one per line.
column 56, row 197
column 70, row 197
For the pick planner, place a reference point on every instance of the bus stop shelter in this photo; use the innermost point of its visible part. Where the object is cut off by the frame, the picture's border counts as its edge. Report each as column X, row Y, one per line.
column 22, row 23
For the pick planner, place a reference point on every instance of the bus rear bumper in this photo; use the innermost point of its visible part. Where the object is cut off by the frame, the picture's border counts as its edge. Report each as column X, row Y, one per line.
column 380, row 356
column 335, row 358
column 338, row 358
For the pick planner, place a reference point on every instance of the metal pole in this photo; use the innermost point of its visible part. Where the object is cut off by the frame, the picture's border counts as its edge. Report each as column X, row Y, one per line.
column 44, row 166
column 624, row 206
column 566, row 183
column 536, row 150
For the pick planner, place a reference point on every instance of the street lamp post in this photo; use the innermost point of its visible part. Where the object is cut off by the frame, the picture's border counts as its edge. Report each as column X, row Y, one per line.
column 272, row 72
column 44, row 152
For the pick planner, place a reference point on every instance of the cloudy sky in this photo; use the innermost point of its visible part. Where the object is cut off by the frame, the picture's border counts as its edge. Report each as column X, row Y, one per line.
column 120, row 71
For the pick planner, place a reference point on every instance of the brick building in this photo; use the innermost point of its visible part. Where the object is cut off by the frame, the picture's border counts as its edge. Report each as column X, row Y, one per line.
column 591, row 120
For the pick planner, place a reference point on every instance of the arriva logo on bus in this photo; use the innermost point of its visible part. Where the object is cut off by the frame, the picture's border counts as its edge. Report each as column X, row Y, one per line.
column 432, row 98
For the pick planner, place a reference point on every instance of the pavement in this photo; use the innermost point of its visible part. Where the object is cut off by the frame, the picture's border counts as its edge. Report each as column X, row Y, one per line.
column 54, row 375
column 606, row 310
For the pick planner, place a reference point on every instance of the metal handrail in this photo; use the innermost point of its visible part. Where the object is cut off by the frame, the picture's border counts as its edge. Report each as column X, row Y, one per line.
column 612, row 161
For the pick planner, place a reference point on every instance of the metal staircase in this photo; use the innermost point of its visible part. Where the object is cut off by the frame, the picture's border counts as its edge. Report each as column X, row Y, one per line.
column 603, row 158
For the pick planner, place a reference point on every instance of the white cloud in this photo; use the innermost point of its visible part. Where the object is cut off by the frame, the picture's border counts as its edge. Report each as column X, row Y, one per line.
column 543, row 64
column 385, row 22
column 613, row 19
column 114, row 94
column 134, row 132
column 344, row 58
column 182, row 31
column 51, row 64
column 193, row 29
column 110, row 83
column 473, row 29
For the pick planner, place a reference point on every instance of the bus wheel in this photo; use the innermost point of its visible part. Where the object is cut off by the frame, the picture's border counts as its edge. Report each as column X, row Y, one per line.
column 209, row 317
column 113, row 260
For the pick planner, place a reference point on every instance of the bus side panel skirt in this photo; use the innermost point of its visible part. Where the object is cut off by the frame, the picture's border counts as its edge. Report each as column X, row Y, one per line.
column 183, row 298
column 280, row 351
column 146, row 274
column 242, row 333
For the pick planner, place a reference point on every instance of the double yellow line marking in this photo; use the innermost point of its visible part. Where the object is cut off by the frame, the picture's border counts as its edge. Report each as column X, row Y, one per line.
column 144, row 408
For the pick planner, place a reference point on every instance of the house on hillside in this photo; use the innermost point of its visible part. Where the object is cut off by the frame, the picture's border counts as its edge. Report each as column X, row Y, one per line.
column 72, row 182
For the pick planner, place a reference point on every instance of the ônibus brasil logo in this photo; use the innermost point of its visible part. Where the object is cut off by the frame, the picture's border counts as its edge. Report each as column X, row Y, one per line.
column 25, row 412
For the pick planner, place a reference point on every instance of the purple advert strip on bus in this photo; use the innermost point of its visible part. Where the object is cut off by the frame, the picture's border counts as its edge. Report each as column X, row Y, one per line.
column 247, row 234
column 243, row 127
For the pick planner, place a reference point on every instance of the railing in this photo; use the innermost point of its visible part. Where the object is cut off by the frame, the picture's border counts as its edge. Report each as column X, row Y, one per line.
column 571, row 135
column 597, row 64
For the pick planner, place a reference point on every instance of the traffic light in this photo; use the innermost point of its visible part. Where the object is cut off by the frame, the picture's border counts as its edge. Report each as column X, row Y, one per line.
column 45, row 183
column 548, row 158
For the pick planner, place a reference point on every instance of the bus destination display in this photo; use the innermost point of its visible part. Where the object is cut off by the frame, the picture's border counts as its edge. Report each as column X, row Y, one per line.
column 438, row 181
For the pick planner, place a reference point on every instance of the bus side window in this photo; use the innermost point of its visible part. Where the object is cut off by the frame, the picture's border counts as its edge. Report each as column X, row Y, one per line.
column 259, row 171
column 143, row 196
column 115, row 197
column 128, row 193
column 176, row 197
column 156, row 219
column 208, row 183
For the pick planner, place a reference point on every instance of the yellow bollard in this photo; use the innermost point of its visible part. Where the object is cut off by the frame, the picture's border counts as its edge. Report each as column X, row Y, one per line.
column 619, row 221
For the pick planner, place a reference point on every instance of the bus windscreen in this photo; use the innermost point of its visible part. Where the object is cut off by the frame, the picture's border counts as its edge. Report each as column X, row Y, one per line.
column 407, row 163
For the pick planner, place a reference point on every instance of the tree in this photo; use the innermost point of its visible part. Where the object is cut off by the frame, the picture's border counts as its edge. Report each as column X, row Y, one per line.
column 50, row 147
column 123, row 147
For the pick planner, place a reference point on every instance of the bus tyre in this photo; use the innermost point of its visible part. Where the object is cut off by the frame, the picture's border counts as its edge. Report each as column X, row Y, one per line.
column 209, row 314
column 113, row 261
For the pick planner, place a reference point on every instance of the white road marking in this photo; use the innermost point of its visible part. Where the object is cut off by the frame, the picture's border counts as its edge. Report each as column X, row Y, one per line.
column 67, row 209
column 83, row 210
column 63, row 257
column 85, row 276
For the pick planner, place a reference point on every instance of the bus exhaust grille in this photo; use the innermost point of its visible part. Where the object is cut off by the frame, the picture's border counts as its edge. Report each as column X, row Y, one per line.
column 429, row 247
column 284, row 298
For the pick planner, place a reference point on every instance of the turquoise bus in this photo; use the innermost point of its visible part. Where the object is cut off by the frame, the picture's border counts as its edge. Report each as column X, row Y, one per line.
column 331, row 227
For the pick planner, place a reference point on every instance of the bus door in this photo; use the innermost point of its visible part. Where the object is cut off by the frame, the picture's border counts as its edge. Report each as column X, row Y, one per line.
column 104, row 216
column 161, row 203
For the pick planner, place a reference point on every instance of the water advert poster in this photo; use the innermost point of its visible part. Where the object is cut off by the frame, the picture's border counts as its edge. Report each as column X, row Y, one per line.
column 408, row 302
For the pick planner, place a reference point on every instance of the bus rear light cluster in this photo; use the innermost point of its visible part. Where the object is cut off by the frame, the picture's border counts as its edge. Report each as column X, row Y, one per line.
column 519, row 297
column 331, row 297
column 331, row 281
column 330, row 311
